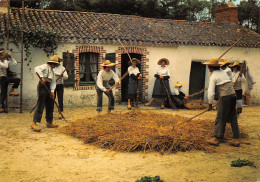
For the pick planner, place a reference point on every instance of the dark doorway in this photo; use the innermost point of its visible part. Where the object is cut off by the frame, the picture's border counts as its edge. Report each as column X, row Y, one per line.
column 197, row 79
column 124, row 66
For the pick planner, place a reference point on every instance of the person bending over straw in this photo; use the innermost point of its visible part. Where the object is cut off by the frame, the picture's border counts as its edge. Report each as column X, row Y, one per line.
column 103, row 86
column 226, row 111
column 46, row 73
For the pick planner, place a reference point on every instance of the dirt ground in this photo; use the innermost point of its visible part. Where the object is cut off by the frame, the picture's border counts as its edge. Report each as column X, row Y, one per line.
column 52, row 156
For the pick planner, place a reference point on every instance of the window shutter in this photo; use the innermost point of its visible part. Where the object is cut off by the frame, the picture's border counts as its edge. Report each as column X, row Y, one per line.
column 111, row 57
column 71, row 80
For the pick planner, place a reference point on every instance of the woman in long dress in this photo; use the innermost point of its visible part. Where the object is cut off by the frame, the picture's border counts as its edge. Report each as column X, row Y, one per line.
column 161, row 83
column 134, row 77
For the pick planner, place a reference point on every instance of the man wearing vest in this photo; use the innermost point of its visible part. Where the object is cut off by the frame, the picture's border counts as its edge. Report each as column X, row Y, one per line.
column 226, row 111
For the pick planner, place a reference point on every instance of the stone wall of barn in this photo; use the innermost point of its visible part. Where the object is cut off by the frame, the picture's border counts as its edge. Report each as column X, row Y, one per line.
column 180, row 66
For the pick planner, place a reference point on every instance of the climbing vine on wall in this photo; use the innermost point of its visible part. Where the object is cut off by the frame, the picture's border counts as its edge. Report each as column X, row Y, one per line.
column 37, row 38
column 40, row 38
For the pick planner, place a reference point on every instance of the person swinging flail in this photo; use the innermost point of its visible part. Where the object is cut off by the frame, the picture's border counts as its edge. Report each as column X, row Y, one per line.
column 226, row 111
column 103, row 86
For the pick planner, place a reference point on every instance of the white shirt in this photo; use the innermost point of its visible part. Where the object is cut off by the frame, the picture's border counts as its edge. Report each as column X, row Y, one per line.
column 176, row 90
column 239, row 79
column 229, row 72
column 105, row 76
column 163, row 71
column 132, row 70
column 5, row 64
column 218, row 77
column 47, row 72
column 12, row 62
column 3, row 67
column 58, row 71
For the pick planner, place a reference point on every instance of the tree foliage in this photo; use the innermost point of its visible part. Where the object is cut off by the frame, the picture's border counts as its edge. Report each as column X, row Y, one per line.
column 195, row 10
column 248, row 14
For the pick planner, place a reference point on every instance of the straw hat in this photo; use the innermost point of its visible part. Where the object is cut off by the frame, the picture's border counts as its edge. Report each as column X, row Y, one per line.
column 54, row 59
column 108, row 64
column 135, row 59
column 167, row 62
column 235, row 64
column 60, row 59
column 212, row 62
column 179, row 84
column 223, row 62
column 6, row 53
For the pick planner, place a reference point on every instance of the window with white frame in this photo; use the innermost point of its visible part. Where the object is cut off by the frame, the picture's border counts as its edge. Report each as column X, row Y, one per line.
column 88, row 68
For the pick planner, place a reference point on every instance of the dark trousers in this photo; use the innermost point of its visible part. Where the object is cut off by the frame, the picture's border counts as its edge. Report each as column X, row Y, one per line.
column 110, row 96
column 59, row 92
column 4, row 87
column 226, row 113
column 44, row 100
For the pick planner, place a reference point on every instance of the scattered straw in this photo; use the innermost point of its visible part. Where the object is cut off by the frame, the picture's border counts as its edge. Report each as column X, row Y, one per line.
column 144, row 131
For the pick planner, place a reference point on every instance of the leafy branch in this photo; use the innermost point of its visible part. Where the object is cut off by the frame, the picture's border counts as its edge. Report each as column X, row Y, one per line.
column 37, row 38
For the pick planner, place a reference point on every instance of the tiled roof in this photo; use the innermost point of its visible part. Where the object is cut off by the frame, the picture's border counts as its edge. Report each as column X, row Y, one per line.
column 102, row 28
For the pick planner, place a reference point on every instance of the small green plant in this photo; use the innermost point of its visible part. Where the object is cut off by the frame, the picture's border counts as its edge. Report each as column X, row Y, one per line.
column 150, row 179
column 240, row 163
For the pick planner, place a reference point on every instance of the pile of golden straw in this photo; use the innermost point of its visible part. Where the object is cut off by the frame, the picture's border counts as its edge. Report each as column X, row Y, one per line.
column 144, row 131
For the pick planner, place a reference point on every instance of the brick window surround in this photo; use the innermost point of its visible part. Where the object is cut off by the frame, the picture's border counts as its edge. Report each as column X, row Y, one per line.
column 84, row 49
column 144, row 61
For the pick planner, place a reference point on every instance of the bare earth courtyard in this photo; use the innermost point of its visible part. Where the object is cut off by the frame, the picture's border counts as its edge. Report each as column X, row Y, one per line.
column 53, row 156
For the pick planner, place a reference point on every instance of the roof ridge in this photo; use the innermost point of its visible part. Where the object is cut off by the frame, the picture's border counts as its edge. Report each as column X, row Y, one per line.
column 92, row 12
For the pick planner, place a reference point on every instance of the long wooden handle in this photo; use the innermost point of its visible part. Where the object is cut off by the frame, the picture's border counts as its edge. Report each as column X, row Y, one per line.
column 197, row 93
column 201, row 113
column 193, row 117
column 169, row 97
column 48, row 90
column 241, row 71
column 126, row 73
column 232, row 45
column 125, row 49
column 138, row 92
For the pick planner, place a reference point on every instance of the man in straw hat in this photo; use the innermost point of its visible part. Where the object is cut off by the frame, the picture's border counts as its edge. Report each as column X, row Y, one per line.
column 237, row 79
column 226, row 111
column 224, row 66
column 45, row 71
column 6, row 60
column 103, row 86
column 60, row 75
column 162, row 75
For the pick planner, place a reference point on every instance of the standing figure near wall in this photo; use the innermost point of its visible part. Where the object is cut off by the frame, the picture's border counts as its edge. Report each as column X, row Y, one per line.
column 226, row 111
column 60, row 75
column 6, row 60
column 161, row 83
column 103, row 86
column 237, row 78
column 45, row 71
column 134, row 77
column 224, row 66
